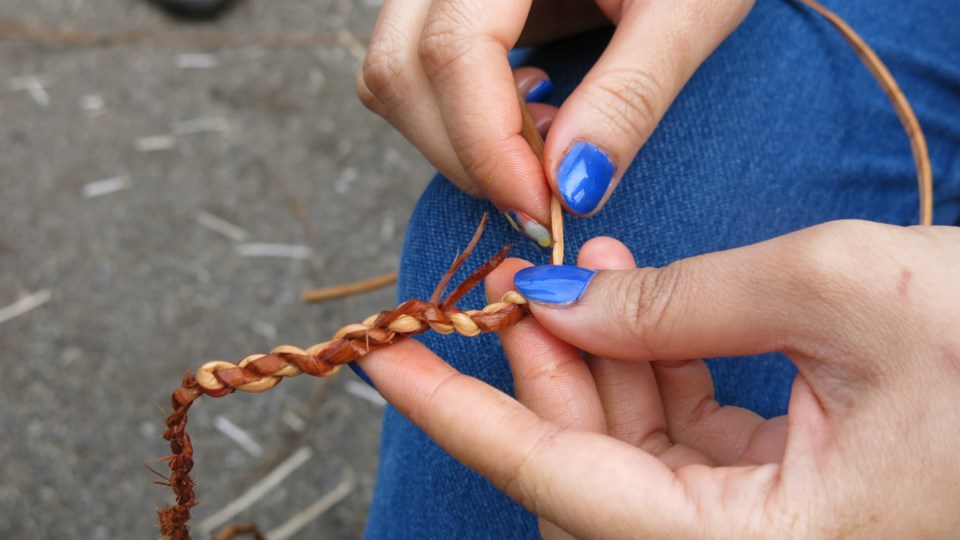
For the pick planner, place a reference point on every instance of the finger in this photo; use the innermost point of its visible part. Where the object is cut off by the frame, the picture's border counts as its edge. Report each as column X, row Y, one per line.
column 550, row 376
column 629, row 391
column 463, row 51
column 554, row 473
column 533, row 83
column 821, row 295
column 656, row 48
column 553, row 380
column 543, row 116
column 668, row 408
column 816, row 294
column 709, row 305
column 393, row 85
column 728, row 435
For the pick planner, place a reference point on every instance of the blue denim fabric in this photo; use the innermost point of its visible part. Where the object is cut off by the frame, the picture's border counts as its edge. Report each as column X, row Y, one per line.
column 780, row 129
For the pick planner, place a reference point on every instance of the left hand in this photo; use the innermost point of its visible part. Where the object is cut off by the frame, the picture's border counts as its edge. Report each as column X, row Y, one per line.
column 628, row 441
column 437, row 70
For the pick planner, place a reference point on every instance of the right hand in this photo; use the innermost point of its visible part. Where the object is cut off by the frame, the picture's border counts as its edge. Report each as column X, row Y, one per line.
column 615, row 432
column 437, row 70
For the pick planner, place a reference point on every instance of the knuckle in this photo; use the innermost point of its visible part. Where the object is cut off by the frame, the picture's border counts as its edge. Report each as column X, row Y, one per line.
column 366, row 96
column 445, row 38
column 480, row 158
column 824, row 258
column 649, row 314
column 630, row 100
column 383, row 77
column 519, row 482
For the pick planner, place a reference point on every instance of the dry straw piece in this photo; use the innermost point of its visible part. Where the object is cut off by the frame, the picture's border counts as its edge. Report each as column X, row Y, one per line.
column 261, row 372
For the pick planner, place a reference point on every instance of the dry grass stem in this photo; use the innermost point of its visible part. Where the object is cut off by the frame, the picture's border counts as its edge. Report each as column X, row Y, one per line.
column 24, row 305
column 302, row 518
column 258, row 490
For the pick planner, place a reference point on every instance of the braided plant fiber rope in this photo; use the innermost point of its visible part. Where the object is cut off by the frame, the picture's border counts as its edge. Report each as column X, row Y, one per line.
column 261, row 372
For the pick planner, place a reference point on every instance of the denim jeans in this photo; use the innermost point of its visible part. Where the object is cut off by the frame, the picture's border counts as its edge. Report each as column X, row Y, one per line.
column 781, row 128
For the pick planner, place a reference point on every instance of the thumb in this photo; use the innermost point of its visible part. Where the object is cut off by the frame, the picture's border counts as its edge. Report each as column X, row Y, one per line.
column 798, row 293
column 599, row 129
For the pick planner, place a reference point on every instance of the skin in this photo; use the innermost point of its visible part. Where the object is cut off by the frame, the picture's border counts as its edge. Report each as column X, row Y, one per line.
column 627, row 440
column 437, row 71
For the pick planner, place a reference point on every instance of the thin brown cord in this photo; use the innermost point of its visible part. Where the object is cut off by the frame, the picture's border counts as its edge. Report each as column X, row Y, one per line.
column 358, row 287
column 918, row 144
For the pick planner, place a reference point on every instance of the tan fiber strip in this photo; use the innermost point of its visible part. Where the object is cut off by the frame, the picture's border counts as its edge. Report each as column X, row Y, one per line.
column 918, row 144
column 528, row 130
column 339, row 291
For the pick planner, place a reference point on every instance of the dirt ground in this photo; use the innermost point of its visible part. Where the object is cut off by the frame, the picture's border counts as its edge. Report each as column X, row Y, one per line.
column 141, row 162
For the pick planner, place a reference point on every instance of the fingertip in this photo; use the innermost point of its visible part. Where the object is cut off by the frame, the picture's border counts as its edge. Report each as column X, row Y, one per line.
column 531, row 229
column 543, row 116
column 500, row 280
column 533, row 83
column 540, row 91
column 605, row 253
column 553, row 284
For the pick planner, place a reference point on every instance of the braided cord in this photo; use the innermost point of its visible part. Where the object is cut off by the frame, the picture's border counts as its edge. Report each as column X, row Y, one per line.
column 261, row 372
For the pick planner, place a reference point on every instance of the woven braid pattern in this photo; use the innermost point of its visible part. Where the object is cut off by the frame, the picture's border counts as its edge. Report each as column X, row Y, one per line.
column 261, row 372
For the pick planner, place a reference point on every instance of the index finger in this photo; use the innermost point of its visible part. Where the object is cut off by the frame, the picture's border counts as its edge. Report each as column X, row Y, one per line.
column 463, row 51
column 589, row 484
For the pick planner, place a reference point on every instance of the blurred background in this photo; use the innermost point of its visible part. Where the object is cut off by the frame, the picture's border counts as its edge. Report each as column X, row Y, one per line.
column 167, row 192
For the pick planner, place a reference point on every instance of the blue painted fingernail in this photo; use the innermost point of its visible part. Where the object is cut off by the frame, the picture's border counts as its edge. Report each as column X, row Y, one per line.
column 553, row 284
column 583, row 177
column 539, row 91
column 360, row 373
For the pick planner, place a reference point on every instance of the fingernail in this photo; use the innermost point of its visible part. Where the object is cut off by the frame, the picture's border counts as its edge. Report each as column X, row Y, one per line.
column 530, row 228
column 360, row 373
column 553, row 284
column 539, row 91
column 583, row 177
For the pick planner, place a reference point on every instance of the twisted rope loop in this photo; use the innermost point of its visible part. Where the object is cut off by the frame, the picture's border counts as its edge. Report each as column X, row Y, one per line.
column 261, row 372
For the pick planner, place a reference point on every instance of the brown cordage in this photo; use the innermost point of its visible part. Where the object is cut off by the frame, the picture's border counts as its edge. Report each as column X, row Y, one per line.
column 340, row 291
column 261, row 372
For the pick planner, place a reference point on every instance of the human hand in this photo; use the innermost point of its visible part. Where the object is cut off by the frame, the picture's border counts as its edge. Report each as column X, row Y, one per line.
column 437, row 70
column 628, row 441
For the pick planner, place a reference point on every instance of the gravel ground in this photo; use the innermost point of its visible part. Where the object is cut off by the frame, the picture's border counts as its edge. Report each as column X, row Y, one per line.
column 125, row 137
